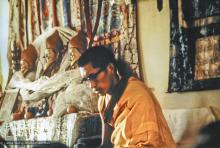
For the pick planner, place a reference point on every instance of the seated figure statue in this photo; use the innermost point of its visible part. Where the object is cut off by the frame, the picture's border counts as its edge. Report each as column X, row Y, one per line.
column 28, row 65
column 53, row 57
column 77, row 45
column 64, row 87
column 75, row 97
column 27, row 74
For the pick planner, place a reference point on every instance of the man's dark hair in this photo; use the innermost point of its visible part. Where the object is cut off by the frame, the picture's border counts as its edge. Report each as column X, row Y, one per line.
column 101, row 57
column 98, row 57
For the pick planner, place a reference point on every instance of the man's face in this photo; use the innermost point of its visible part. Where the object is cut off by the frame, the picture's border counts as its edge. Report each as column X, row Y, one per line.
column 100, row 80
column 50, row 56
column 74, row 55
column 24, row 66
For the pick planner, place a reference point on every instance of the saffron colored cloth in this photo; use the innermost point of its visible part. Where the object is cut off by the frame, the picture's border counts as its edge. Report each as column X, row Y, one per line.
column 138, row 120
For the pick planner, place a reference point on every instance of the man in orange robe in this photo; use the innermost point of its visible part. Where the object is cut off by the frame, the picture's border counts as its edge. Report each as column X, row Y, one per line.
column 131, row 115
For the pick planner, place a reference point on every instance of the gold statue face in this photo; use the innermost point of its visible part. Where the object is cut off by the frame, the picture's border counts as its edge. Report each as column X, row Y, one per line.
column 25, row 67
column 74, row 55
column 50, row 57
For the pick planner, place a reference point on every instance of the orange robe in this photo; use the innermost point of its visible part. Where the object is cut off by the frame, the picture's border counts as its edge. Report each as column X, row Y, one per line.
column 138, row 120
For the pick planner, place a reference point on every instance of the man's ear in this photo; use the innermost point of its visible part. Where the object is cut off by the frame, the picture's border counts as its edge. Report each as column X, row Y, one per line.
column 111, row 68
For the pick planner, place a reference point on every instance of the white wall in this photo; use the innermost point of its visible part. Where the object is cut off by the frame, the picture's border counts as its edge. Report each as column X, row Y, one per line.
column 4, row 14
column 154, row 30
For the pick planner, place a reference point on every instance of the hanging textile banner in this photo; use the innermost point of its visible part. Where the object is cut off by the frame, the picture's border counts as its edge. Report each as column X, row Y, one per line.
column 111, row 23
column 194, row 45
column 117, row 27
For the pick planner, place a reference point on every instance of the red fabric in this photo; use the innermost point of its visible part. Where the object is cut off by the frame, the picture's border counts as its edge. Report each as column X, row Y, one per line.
column 54, row 13
column 29, row 55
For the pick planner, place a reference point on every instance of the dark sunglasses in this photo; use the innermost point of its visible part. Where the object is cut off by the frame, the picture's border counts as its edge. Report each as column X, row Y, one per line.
column 92, row 76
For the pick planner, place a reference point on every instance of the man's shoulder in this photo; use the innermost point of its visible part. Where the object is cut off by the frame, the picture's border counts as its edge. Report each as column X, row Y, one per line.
column 135, row 84
column 137, row 91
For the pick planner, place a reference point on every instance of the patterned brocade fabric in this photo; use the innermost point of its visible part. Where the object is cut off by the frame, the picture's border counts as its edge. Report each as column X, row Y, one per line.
column 66, row 129
column 194, row 45
column 116, row 27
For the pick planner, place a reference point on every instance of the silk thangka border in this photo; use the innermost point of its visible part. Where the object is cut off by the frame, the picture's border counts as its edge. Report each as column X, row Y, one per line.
column 194, row 46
